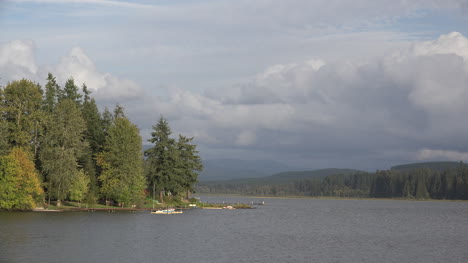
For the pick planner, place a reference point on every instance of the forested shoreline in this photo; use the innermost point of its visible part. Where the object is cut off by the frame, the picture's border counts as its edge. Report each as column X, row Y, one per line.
column 419, row 183
column 55, row 146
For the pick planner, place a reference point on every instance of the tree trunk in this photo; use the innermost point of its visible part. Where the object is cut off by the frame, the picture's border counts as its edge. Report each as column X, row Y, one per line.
column 59, row 203
column 154, row 192
column 161, row 196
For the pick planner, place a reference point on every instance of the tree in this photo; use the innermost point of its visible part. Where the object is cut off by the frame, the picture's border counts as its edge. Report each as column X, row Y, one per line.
column 79, row 187
column 63, row 144
column 94, row 135
column 190, row 163
column 52, row 91
column 70, row 92
column 121, row 162
column 21, row 103
column 162, row 158
column 20, row 186
column 4, row 146
column 106, row 121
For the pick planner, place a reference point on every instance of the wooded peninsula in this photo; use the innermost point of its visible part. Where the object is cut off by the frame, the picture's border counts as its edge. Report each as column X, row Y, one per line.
column 56, row 146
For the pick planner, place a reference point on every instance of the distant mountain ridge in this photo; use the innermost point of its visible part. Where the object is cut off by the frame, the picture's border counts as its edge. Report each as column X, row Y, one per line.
column 286, row 177
column 440, row 166
column 228, row 169
column 320, row 173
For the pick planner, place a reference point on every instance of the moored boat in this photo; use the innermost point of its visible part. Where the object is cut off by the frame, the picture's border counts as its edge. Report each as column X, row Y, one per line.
column 168, row 211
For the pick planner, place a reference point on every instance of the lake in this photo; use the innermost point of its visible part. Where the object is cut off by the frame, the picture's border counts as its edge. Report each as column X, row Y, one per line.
column 282, row 230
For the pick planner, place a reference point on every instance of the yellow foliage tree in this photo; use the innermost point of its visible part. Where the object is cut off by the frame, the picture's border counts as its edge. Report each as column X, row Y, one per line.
column 20, row 187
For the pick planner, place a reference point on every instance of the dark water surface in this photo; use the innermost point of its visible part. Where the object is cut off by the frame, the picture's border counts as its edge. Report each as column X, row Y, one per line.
column 283, row 230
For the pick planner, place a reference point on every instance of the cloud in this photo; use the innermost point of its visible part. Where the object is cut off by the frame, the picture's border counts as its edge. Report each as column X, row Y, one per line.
column 105, row 86
column 246, row 138
column 93, row 2
column 361, row 114
column 17, row 61
column 429, row 154
column 381, row 110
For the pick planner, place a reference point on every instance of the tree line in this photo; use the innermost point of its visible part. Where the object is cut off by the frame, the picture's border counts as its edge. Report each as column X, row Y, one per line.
column 419, row 183
column 55, row 145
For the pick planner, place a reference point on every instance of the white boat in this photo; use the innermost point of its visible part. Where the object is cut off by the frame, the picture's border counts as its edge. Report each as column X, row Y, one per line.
column 168, row 211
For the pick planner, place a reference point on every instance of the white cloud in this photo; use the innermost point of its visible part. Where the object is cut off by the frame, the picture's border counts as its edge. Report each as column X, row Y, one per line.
column 105, row 86
column 430, row 154
column 452, row 43
column 17, row 61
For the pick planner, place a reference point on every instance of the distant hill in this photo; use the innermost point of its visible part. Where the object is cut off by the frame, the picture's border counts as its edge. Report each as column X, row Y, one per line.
column 293, row 175
column 441, row 166
column 228, row 169
column 289, row 176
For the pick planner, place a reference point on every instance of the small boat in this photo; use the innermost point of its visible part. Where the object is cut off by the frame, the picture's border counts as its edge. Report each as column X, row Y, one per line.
column 168, row 211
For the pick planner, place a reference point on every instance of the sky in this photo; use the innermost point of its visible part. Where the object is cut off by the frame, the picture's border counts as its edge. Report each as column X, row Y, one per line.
column 364, row 84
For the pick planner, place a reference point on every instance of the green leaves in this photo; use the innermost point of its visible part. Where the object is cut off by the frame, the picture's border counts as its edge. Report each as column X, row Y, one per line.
column 20, row 105
column 80, row 152
column 20, row 187
column 122, row 162
column 80, row 186
column 172, row 165
column 62, row 146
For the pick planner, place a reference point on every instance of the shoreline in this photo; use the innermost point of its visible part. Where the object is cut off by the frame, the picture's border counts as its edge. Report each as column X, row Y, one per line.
column 334, row 198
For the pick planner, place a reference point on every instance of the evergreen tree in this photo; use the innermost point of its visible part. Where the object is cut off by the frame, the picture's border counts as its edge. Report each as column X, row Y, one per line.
column 63, row 144
column 163, row 159
column 190, row 163
column 94, row 135
column 106, row 121
column 70, row 92
column 121, row 162
column 52, row 90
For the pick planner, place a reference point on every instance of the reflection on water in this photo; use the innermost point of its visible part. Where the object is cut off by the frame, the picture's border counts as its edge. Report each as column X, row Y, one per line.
column 283, row 230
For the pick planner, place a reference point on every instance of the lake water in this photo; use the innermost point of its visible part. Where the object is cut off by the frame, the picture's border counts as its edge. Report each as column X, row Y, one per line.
column 283, row 230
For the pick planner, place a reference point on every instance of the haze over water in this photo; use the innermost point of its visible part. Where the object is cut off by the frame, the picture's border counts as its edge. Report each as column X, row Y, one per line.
column 283, row 230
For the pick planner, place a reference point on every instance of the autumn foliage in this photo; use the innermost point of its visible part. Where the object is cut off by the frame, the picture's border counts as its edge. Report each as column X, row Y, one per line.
column 20, row 186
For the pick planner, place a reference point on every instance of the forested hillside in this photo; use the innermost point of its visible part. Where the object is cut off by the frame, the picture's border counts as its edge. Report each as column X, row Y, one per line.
column 55, row 145
column 418, row 183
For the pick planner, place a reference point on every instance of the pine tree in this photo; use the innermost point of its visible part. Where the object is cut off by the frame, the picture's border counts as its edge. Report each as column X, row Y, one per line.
column 163, row 159
column 94, row 135
column 70, row 92
column 190, row 163
column 52, row 90
column 121, row 162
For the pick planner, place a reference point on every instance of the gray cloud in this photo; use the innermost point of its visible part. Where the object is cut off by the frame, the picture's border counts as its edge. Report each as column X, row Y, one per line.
column 406, row 105
column 388, row 109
